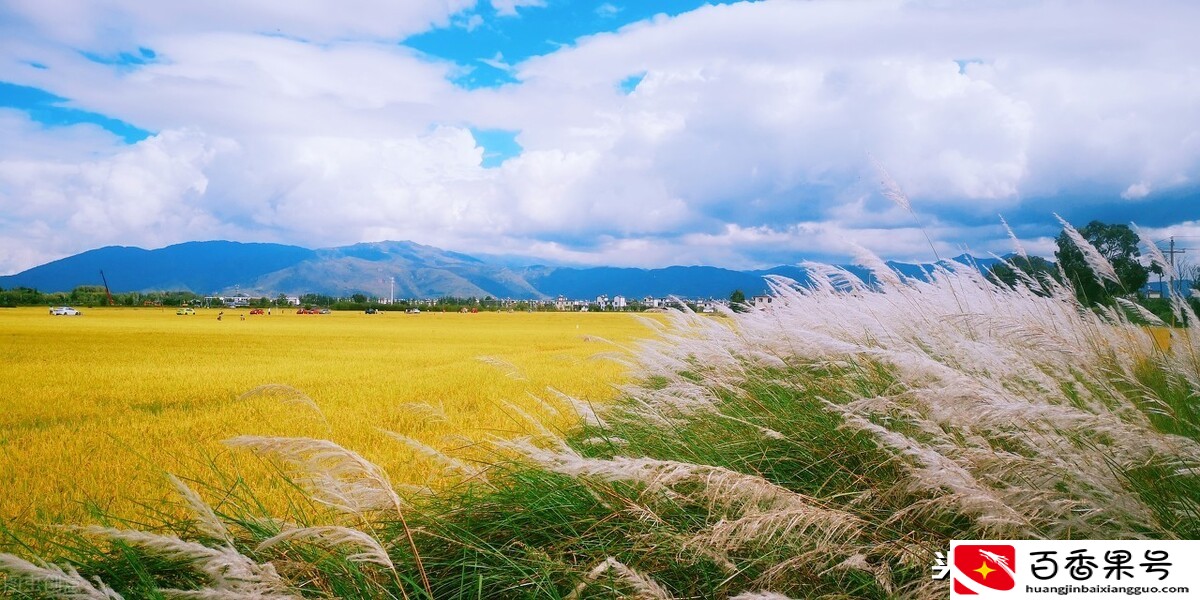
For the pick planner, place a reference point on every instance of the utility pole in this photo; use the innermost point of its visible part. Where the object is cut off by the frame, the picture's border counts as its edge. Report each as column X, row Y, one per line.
column 392, row 291
column 1171, row 252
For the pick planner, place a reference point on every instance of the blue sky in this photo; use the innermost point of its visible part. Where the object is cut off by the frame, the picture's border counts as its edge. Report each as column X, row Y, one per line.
column 737, row 134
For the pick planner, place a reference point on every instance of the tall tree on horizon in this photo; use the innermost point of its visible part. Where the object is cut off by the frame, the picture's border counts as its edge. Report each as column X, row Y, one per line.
column 1118, row 244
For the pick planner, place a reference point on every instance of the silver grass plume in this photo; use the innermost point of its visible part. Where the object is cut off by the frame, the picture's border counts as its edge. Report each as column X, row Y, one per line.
column 226, row 569
column 1141, row 311
column 581, row 408
column 889, row 188
column 286, row 394
column 335, row 476
column 510, row 370
column 645, row 588
column 768, row 510
column 1017, row 247
column 447, row 462
column 429, row 412
column 369, row 549
column 535, row 422
column 206, row 520
column 759, row 596
column 64, row 582
column 339, row 478
column 1101, row 268
column 1179, row 306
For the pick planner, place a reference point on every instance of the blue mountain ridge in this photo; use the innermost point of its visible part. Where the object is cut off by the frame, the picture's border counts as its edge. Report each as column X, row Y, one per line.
column 377, row 269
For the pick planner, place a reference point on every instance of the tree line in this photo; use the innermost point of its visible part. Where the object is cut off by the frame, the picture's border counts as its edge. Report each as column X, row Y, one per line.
column 1118, row 244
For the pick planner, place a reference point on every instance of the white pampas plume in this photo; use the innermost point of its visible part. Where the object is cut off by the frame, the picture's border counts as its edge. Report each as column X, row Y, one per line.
column 759, row 596
column 890, row 189
column 370, row 550
column 1140, row 311
column 65, row 583
column 448, row 462
column 510, row 370
column 335, row 476
column 282, row 392
column 1099, row 265
column 226, row 568
column 1156, row 256
column 880, row 269
column 429, row 412
column 581, row 408
column 644, row 587
column 769, row 510
column 338, row 478
column 1017, row 247
column 206, row 520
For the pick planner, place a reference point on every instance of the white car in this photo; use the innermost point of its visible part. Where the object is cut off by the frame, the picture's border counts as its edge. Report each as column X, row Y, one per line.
column 64, row 310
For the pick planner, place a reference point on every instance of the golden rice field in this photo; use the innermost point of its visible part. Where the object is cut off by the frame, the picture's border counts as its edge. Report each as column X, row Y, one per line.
column 94, row 409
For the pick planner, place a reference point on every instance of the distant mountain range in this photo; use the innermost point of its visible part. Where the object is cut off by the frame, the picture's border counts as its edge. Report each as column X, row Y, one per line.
column 221, row 267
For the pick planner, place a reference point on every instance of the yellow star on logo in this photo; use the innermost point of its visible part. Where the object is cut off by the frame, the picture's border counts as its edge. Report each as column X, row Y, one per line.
column 983, row 570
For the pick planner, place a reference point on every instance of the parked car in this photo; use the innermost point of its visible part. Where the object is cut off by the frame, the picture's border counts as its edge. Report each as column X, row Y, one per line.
column 256, row 311
column 324, row 311
column 185, row 310
column 373, row 311
column 413, row 311
column 64, row 310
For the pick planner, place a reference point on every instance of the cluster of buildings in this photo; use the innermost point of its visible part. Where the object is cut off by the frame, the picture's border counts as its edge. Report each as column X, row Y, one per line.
column 602, row 302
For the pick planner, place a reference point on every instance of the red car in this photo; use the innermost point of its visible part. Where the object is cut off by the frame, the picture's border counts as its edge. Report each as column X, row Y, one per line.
column 256, row 311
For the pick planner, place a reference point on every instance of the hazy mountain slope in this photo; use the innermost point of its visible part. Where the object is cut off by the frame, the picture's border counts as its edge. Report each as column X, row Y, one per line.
column 201, row 267
column 419, row 271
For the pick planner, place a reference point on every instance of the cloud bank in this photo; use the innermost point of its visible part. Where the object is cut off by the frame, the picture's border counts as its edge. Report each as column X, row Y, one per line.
column 746, row 141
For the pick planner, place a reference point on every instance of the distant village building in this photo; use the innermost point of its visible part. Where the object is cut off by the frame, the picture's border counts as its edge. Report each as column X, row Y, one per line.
column 619, row 303
column 561, row 303
column 652, row 302
column 762, row 301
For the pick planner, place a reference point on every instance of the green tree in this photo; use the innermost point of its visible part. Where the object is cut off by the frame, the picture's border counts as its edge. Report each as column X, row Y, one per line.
column 1116, row 243
column 359, row 298
column 1036, row 267
column 737, row 301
